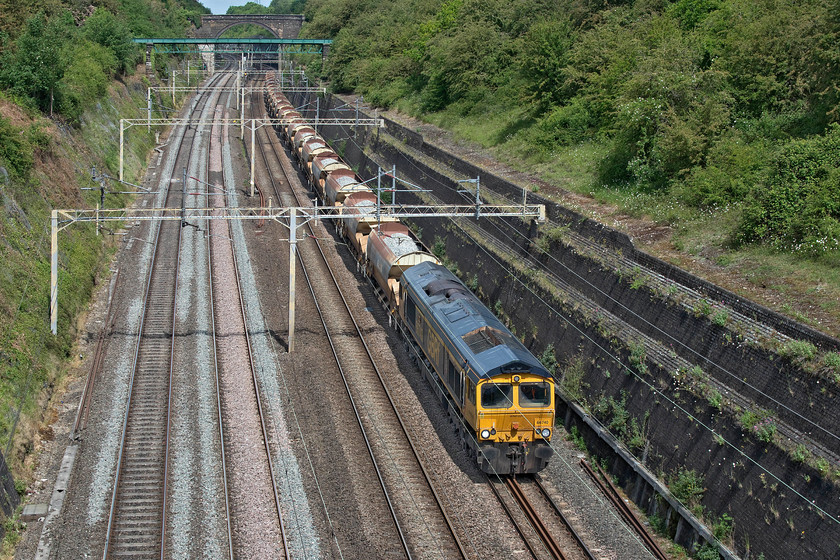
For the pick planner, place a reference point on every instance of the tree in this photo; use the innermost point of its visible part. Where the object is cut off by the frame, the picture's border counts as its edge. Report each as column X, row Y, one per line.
column 545, row 53
column 35, row 68
column 103, row 28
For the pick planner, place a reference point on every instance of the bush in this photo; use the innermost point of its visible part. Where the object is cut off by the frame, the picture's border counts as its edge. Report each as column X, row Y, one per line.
column 797, row 207
column 34, row 68
column 103, row 28
column 687, row 486
column 87, row 76
column 798, row 350
column 15, row 151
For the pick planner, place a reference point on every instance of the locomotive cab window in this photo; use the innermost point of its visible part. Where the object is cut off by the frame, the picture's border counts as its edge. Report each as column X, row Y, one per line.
column 532, row 395
column 496, row 395
column 410, row 311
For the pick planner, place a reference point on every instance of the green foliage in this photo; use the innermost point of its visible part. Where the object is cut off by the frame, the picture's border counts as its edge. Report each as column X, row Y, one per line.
column 576, row 438
column 103, row 28
column 63, row 65
column 571, row 379
column 619, row 422
column 801, row 350
column 759, row 423
column 548, row 358
column 545, row 52
column 723, row 527
column 439, row 248
column 707, row 552
column 691, row 13
column 831, row 360
column 287, row 6
column 638, row 356
column 720, row 317
column 798, row 206
column 88, row 73
column 687, row 486
column 35, row 67
column 822, row 465
column 15, row 151
column 689, row 101
column 800, row 454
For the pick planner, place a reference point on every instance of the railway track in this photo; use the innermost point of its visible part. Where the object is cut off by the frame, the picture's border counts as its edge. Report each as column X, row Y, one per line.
column 137, row 518
column 546, row 532
column 612, row 494
column 406, row 485
column 255, row 511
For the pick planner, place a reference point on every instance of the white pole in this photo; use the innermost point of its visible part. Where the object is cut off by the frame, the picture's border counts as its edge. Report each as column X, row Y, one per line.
column 122, row 133
column 253, row 149
column 242, row 115
column 173, row 89
column 292, row 251
column 149, row 107
column 54, row 273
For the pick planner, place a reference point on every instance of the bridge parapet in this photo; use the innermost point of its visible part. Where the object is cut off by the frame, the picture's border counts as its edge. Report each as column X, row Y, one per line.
column 283, row 26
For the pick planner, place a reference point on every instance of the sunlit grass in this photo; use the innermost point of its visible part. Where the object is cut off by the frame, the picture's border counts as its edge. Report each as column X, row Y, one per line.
column 801, row 288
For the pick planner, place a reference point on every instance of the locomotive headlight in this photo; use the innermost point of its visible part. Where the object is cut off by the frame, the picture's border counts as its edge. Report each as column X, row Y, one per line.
column 485, row 434
column 545, row 433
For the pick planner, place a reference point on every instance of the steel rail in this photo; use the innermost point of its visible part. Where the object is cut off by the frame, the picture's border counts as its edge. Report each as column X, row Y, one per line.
column 83, row 410
column 218, row 384
column 612, row 494
column 534, row 518
column 510, row 514
column 119, row 479
column 259, row 400
column 334, row 351
column 563, row 518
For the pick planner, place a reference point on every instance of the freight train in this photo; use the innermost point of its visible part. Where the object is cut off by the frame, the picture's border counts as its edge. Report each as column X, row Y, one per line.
column 500, row 392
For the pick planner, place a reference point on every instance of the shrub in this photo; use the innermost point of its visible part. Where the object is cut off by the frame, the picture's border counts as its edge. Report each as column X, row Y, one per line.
column 831, row 360
column 638, row 356
column 759, row 423
column 796, row 208
column 800, row 454
column 798, row 350
column 687, row 486
column 720, row 317
column 15, row 151
column 103, row 28
column 715, row 399
column 571, row 380
column 549, row 359
column 722, row 529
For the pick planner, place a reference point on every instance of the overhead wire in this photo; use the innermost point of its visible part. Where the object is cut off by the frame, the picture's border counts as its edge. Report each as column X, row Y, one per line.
column 629, row 369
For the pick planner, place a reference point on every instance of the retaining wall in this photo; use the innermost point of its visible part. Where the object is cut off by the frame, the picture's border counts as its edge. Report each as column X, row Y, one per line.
column 770, row 517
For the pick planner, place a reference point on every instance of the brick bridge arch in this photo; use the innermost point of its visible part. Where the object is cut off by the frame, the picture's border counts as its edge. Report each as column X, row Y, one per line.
column 286, row 26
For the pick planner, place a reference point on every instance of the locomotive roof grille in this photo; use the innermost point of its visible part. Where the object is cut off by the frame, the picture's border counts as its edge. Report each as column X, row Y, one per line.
column 477, row 338
column 483, row 339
